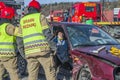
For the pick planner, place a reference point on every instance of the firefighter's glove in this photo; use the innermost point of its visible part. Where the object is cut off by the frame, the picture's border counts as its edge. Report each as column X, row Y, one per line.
column 18, row 32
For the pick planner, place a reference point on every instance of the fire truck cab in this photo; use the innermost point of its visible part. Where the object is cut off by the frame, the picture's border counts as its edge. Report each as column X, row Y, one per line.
column 88, row 9
column 57, row 15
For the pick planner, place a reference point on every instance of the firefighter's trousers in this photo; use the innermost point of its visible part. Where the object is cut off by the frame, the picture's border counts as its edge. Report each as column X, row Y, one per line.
column 10, row 64
column 42, row 61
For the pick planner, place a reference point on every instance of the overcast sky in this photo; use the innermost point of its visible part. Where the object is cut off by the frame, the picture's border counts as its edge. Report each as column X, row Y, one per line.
column 53, row 1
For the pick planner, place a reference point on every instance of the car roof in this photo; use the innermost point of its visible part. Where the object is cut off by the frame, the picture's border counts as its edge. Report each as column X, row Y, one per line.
column 68, row 23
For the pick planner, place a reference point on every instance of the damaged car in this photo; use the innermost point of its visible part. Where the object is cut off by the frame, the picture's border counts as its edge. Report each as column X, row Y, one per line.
column 95, row 54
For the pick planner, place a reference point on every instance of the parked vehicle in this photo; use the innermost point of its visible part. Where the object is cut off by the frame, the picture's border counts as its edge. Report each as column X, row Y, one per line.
column 88, row 9
column 90, row 48
column 57, row 16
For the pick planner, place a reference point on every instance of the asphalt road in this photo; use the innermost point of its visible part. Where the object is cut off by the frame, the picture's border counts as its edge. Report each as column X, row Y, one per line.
column 62, row 74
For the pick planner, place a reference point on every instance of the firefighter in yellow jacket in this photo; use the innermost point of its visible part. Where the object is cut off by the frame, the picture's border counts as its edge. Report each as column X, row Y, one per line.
column 8, row 58
column 37, row 41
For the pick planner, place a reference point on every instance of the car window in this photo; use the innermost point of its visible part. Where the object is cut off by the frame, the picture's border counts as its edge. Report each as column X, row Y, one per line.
column 57, row 28
column 88, row 36
column 77, row 37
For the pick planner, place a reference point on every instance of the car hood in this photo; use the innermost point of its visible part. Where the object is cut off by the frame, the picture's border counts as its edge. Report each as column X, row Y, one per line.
column 102, row 52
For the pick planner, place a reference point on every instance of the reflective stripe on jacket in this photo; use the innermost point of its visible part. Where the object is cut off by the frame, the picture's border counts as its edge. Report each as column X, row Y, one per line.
column 7, row 48
column 32, row 31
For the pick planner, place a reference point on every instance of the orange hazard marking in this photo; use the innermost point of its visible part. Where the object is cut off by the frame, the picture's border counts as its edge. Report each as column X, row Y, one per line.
column 89, row 4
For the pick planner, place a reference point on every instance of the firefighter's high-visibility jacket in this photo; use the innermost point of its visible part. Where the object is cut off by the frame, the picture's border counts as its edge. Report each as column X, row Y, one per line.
column 7, row 48
column 16, row 31
column 36, row 36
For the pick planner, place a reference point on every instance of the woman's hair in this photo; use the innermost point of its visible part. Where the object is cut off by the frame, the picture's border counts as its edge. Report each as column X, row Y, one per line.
column 56, row 30
column 63, row 34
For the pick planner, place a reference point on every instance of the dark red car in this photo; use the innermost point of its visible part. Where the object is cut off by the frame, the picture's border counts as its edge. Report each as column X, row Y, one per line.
column 92, row 52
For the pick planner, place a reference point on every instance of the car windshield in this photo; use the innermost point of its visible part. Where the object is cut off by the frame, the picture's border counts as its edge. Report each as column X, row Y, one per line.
column 88, row 35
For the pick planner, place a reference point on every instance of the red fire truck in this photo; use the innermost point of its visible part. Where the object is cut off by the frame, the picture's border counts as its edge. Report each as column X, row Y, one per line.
column 57, row 15
column 88, row 9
